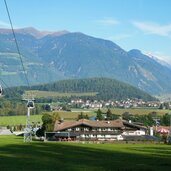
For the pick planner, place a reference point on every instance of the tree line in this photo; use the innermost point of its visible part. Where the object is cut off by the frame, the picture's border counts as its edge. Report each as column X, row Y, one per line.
column 106, row 88
column 150, row 119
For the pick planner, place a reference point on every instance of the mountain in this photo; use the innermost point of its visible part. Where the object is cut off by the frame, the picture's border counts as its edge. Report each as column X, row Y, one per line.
column 159, row 60
column 51, row 56
column 33, row 32
column 105, row 88
column 153, row 76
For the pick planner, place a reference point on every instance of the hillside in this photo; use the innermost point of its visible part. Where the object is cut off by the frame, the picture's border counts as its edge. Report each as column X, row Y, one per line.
column 105, row 88
column 52, row 56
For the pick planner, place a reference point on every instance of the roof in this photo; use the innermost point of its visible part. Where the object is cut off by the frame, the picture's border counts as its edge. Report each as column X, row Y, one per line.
column 133, row 125
column 94, row 124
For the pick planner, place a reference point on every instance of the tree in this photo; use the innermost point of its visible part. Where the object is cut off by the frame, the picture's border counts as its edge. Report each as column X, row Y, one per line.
column 109, row 115
column 55, row 116
column 165, row 120
column 49, row 121
column 114, row 117
column 99, row 115
column 126, row 116
column 82, row 116
column 166, row 105
column 47, row 118
column 161, row 106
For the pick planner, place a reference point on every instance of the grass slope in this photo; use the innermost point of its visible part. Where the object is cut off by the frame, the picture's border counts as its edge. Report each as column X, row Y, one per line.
column 16, row 155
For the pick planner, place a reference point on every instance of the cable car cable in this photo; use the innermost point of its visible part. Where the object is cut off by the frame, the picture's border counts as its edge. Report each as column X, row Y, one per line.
column 15, row 39
column 12, row 92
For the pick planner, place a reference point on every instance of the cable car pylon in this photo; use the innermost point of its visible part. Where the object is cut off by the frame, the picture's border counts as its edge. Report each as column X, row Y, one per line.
column 28, row 129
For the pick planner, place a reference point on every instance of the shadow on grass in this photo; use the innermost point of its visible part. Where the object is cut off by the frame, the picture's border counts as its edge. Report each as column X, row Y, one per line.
column 77, row 157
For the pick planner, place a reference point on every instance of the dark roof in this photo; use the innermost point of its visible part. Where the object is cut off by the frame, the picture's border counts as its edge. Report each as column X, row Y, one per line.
column 133, row 125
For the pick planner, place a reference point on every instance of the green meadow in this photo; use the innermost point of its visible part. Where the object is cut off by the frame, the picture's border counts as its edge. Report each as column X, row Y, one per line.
column 40, row 94
column 139, row 111
column 16, row 120
column 15, row 155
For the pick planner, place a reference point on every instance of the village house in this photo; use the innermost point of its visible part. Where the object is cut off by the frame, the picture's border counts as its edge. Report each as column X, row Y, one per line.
column 93, row 130
column 128, row 103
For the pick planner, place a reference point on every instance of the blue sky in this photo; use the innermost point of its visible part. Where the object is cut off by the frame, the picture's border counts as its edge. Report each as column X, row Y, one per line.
column 132, row 24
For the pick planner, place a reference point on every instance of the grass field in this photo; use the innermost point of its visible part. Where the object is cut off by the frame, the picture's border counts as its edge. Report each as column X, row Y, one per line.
column 16, row 120
column 134, row 111
column 139, row 111
column 15, row 155
column 39, row 94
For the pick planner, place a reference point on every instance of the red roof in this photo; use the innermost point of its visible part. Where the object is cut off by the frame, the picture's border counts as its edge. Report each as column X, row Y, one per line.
column 163, row 130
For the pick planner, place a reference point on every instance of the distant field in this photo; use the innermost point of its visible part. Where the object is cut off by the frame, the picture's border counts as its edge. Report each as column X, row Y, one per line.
column 15, row 155
column 139, row 111
column 16, row 120
column 39, row 94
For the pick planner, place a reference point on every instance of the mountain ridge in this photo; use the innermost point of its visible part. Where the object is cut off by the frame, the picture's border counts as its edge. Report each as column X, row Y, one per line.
column 77, row 55
column 34, row 32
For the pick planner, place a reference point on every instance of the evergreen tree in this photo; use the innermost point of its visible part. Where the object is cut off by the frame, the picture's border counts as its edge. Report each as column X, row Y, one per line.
column 82, row 116
column 99, row 115
column 109, row 115
column 165, row 120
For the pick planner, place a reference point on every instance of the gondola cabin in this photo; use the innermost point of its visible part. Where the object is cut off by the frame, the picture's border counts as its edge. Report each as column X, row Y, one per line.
column 0, row 90
column 30, row 104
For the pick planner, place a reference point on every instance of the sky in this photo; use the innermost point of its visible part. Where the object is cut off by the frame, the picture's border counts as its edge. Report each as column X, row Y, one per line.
column 132, row 24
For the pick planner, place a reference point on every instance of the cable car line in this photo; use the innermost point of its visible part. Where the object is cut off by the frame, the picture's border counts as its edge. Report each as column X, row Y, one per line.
column 15, row 39
column 30, row 101
column 12, row 92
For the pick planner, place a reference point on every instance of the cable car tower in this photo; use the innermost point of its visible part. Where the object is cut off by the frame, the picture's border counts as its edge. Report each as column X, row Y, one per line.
column 28, row 129
column 30, row 101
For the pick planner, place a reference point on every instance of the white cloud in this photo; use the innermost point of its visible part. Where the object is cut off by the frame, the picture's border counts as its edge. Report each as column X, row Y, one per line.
column 108, row 21
column 153, row 28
